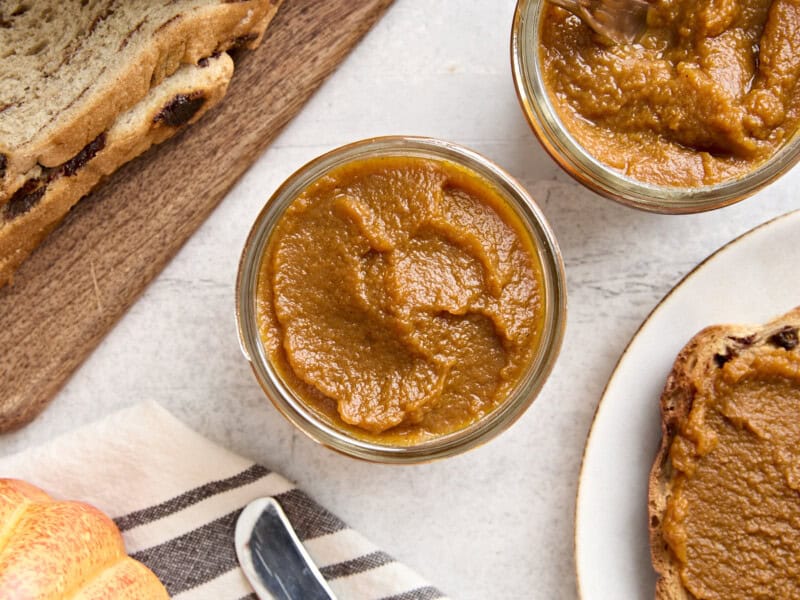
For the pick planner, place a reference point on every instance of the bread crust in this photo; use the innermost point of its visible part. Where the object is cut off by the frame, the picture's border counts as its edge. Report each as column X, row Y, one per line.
column 696, row 362
column 197, row 34
column 133, row 133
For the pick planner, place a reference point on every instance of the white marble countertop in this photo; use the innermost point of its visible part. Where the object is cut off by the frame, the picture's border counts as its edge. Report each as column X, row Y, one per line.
column 493, row 523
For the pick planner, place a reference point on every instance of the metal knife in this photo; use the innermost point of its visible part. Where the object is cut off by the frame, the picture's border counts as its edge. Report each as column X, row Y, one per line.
column 273, row 558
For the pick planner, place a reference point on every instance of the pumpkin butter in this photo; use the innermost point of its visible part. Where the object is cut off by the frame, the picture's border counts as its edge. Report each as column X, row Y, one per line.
column 707, row 94
column 400, row 298
column 733, row 519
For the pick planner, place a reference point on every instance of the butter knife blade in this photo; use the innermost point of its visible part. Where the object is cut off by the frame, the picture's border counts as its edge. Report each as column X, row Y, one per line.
column 272, row 557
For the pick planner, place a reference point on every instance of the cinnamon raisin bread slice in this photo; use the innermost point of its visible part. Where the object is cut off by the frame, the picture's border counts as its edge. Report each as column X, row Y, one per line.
column 724, row 489
column 43, row 201
column 69, row 68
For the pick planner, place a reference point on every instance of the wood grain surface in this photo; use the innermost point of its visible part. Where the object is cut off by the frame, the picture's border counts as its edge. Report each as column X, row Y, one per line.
column 116, row 240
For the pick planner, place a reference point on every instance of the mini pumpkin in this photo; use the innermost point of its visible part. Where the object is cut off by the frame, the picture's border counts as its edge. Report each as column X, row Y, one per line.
column 52, row 550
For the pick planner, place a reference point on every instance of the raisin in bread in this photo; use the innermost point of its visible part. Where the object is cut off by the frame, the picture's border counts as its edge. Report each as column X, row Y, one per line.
column 76, row 77
column 719, row 362
column 40, row 204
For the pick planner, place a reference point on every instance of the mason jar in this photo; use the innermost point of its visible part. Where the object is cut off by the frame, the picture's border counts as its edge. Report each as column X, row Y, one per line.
column 594, row 174
column 532, row 379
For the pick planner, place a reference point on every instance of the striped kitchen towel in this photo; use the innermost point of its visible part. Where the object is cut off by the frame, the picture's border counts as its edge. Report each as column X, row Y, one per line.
column 176, row 496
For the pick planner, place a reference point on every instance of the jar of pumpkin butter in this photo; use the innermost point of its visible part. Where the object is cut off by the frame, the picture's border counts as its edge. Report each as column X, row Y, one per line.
column 702, row 110
column 401, row 299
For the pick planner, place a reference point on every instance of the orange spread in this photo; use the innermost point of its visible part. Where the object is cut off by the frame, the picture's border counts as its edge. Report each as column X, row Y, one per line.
column 706, row 95
column 400, row 298
column 733, row 518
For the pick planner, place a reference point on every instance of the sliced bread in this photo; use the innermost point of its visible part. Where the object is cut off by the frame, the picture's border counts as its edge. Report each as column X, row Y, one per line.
column 36, row 208
column 70, row 68
column 86, row 85
column 723, row 360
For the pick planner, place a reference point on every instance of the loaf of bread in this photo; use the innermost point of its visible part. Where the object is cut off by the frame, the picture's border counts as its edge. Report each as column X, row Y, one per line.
column 724, row 490
column 87, row 85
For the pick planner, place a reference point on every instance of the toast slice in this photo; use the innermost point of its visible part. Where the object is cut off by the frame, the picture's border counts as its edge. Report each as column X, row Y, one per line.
column 70, row 68
column 86, row 85
column 39, row 206
column 720, row 358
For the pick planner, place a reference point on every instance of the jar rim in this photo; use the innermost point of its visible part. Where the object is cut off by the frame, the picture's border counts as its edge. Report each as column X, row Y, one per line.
column 519, row 399
column 573, row 158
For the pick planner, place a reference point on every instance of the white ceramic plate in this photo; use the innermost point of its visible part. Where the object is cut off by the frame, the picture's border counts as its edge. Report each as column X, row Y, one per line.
column 751, row 280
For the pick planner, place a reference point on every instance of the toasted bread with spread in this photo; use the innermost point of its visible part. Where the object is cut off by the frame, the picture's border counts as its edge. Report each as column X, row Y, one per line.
column 724, row 490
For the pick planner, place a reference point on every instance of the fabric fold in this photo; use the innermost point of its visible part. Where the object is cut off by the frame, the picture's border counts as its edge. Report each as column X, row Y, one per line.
column 176, row 497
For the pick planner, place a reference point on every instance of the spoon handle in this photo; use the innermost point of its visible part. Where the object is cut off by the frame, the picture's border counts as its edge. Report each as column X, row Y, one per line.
column 273, row 558
column 620, row 21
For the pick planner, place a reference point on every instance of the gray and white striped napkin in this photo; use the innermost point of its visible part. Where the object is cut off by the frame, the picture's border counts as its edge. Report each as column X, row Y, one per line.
column 176, row 496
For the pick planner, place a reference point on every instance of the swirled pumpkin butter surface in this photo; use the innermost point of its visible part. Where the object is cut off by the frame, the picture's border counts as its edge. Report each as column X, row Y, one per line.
column 733, row 518
column 706, row 95
column 400, row 298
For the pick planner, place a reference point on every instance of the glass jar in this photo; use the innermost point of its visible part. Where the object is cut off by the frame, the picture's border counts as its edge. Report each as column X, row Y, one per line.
column 509, row 410
column 575, row 160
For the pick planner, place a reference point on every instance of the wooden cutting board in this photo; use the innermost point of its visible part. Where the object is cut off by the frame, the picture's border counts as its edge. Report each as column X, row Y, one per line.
column 115, row 241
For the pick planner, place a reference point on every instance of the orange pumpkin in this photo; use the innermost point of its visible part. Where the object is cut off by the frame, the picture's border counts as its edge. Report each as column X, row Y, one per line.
column 53, row 550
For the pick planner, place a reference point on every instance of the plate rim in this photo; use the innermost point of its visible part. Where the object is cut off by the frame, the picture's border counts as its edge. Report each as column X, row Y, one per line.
column 614, row 371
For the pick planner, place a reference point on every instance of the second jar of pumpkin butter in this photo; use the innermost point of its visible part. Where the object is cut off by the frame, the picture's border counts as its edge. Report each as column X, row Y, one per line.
column 402, row 299
column 400, row 295
column 700, row 112
column 707, row 94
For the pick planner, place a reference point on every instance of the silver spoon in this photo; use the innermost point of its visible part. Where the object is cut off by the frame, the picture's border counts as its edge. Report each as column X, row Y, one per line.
column 273, row 558
column 621, row 21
